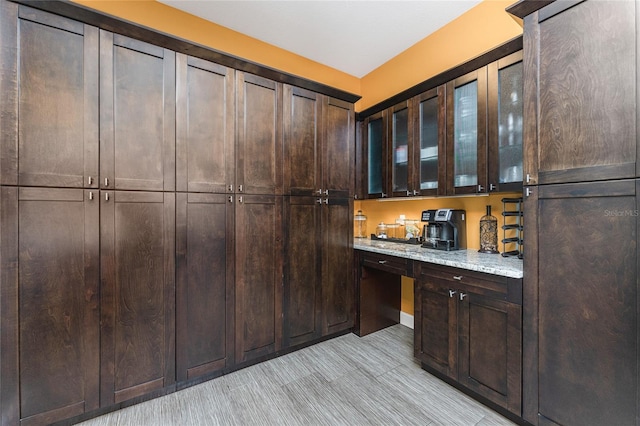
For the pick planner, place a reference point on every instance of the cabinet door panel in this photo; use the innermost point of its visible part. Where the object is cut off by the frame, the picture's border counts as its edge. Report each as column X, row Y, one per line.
column 337, row 269
column 137, row 115
column 588, row 109
column 339, row 148
column 204, row 125
column 204, row 313
column 587, row 318
column 375, row 154
column 138, row 295
column 302, row 123
column 55, row 81
column 259, row 140
column 400, row 139
column 258, row 276
column 55, row 357
column 490, row 349
column 436, row 328
column 429, row 151
column 302, row 271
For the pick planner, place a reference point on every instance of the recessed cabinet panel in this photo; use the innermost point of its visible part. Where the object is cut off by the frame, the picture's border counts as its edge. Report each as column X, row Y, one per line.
column 259, row 142
column 57, row 87
column 510, row 108
column 339, row 148
column 204, row 126
column 587, row 93
column 137, row 115
column 204, row 288
column 56, row 323
column 138, row 293
column 375, row 158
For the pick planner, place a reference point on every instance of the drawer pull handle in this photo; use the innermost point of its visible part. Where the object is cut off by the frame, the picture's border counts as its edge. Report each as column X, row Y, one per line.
column 457, row 277
column 382, row 262
column 452, row 292
column 462, row 296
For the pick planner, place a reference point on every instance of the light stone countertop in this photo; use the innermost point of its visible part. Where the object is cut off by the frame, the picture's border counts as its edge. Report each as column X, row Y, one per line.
column 465, row 259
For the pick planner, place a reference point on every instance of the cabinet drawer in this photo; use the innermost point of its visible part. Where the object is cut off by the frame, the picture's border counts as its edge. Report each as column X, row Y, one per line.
column 496, row 286
column 396, row 265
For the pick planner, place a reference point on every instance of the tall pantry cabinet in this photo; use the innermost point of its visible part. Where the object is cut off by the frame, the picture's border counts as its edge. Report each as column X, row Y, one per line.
column 580, row 313
column 142, row 198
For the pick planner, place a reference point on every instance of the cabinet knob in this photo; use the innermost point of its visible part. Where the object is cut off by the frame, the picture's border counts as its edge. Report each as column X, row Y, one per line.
column 452, row 293
column 319, row 201
column 492, row 187
column 462, row 296
column 239, row 188
column 527, row 192
column 415, row 192
column 480, row 188
column 90, row 180
column 90, row 195
column 230, row 198
column 240, row 199
column 408, row 193
column 384, row 195
column 319, row 191
column 106, row 181
column 326, row 192
column 106, row 196
column 457, row 277
column 230, row 188
column 326, row 201
column 382, row 262
column 528, row 179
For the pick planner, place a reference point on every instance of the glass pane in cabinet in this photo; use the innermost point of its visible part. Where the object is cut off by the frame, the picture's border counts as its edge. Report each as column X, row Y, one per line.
column 400, row 149
column 429, row 144
column 510, row 111
column 375, row 156
column 465, row 133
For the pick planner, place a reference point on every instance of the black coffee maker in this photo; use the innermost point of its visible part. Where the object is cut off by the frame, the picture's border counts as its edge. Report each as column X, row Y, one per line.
column 446, row 229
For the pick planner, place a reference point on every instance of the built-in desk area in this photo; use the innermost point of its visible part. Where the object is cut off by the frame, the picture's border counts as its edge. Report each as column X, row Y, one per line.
column 467, row 314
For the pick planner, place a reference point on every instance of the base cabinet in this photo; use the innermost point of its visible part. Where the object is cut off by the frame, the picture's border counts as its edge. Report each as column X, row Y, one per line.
column 468, row 327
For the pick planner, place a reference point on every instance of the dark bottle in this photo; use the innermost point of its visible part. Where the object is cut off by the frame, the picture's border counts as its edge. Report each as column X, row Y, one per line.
column 488, row 233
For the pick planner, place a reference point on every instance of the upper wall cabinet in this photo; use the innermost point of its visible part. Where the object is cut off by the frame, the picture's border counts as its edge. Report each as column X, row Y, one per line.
column 49, row 102
column 505, row 119
column 588, row 110
column 137, row 115
column 318, row 144
column 429, row 153
column 204, row 126
column 259, row 135
column 400, row 138
column 467, row 133
column 374, row 164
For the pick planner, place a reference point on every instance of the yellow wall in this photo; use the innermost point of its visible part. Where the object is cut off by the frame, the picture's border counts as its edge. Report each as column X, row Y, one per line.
column 161, row 17
column 475, row 32
column 388, row 211
column 480, row 29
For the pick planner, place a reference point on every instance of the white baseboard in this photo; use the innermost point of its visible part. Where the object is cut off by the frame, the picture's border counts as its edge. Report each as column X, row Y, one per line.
column 406, row 319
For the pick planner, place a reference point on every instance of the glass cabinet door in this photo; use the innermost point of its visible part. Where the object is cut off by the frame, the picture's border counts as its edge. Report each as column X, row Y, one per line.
column 510, row 109
column 430, row 109
column 467, row 142
column 400, row 147
column 375, row 155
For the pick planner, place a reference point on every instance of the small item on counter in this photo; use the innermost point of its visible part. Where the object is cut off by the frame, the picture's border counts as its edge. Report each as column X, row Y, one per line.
column 381, row 230
column 411, row 228
column 488, row 233
column 395, row 230
column 360, row 225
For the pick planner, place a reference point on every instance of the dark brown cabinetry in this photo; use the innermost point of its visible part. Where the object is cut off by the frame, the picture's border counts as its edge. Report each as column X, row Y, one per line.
column 205, row 126
column 50, row 341
column 581, row 110
column 258, row 276
column 429, row 175
column 375, row 156
column 259, row 136
column 137, row 252
column 581, row 319
column 581, row 298
column 468, row 328
column 400, row 137
column 137, row 115
column 53, row 127
column 205, row 284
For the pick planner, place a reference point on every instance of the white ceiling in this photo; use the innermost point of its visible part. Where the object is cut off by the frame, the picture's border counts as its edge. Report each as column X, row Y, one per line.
column 354, row 36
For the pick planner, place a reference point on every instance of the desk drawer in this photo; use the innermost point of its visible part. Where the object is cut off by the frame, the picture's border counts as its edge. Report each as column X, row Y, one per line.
column 395, row 265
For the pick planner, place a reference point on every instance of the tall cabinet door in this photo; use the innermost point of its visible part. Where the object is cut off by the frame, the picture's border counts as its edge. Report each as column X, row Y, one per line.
column 49, row 342
column 137, row 239
column 302, row 270
column 205, row 126
column 49, row 102
column 302, row 126
column 338, row 161
column 204, row 295
column 337, row 265
column 258, row 276
column 581, row 310
column 580, row 67
column 137, row 115
column 259, row 137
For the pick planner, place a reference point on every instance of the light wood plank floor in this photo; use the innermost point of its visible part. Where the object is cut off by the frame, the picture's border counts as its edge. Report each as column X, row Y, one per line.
column 348, row 380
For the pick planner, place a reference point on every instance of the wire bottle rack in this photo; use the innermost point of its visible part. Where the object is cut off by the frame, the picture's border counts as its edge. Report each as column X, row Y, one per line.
column 512, row 241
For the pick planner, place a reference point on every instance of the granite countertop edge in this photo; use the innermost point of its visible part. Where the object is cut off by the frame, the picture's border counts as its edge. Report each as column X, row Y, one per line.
column 472, row 260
